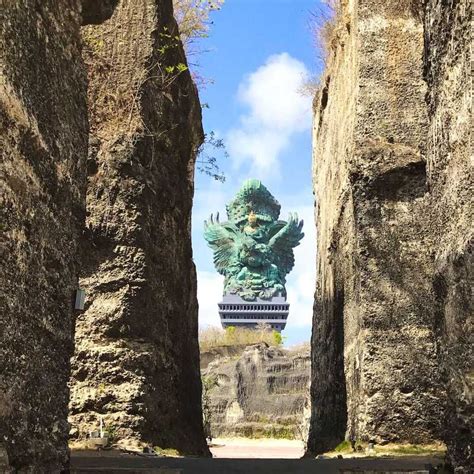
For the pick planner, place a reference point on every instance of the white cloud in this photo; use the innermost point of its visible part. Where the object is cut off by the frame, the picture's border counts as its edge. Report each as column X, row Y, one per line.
column 301, row 281
column 210, row 285
column 275, row 114
column 276, row 111
column 210, row 200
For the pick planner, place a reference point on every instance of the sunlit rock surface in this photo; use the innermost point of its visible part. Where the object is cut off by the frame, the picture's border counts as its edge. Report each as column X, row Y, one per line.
column 43, row 142
column 375, row 374
column 43, row 139
column 136, row 362
column 261, row 391
column 392, row 321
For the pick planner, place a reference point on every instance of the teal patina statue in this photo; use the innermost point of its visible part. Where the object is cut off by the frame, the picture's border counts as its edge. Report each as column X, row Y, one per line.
column 253, row 249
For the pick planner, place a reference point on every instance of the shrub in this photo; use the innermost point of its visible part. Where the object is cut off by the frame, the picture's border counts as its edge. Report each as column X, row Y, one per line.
column 212, row 336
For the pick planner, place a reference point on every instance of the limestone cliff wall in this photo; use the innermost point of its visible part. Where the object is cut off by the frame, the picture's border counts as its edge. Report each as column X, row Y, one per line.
column 136, row 362
column 375, row 372
column 43, row 136
column 263, row 391
column 451, row 184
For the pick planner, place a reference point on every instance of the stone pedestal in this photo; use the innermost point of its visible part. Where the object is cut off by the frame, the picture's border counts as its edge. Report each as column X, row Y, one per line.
column 234, row 311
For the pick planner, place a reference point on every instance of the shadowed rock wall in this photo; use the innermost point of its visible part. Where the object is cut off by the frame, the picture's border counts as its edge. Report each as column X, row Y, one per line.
column 137, row 361
column 43, row 137
column 375, row 372
column 451, row 183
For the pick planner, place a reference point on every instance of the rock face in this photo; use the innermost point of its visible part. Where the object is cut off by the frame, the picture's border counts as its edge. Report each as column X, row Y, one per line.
column 44, row 148
column 136, row 361
column 375, row 370
column 264, row 391
column 451, row 181
column 43, row 134
column 394, row 218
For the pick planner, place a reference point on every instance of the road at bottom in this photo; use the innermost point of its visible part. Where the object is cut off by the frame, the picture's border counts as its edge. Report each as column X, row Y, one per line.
column 247, row 448
column 119, row 463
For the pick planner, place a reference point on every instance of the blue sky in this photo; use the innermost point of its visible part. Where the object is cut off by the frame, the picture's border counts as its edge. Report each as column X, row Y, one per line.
column 260, row 51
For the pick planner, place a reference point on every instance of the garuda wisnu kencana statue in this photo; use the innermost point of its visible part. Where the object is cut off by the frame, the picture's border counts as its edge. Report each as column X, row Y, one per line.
column 253, row 249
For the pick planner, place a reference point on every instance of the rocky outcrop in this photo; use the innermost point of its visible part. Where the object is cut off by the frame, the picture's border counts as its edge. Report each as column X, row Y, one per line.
column 43, row 136
column 451, row 181
column 263, row 392
column 136, row 361
column 375, row 374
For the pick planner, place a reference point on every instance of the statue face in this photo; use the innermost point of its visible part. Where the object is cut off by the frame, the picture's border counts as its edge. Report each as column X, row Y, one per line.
column 252, row 219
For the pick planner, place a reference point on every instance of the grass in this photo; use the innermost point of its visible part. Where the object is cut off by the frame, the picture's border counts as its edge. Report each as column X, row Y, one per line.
column 392, row 449
column 212, row 337
column 268, row 431
column 342, row 447
column 412, row 449
column 171, row 452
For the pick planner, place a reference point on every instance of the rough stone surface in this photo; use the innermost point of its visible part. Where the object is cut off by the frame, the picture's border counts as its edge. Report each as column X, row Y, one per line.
column 43, row 138
column 263, row 391
column 136, row 362
column 95, row 12
column 451, row 182
column 375, row 374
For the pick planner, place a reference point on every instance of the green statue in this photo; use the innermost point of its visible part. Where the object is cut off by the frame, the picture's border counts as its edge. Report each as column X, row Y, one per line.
column 253, row 249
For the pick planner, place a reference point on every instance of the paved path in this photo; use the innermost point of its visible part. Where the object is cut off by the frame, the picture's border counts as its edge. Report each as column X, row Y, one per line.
column 118, row 463
column 257, row 448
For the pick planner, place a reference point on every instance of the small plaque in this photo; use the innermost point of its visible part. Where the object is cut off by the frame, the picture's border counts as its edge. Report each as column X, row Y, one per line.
column 80, row 299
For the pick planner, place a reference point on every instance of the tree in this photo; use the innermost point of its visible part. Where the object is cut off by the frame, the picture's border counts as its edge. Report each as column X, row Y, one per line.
column 194, row 23
column 206, row 160
column 193, row 20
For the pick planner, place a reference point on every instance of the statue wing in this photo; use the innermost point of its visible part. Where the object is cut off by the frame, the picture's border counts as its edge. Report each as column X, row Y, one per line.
column 286, row 236
column 221, row 238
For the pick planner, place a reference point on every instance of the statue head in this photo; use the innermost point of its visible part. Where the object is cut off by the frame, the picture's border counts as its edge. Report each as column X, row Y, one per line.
column 252, row 205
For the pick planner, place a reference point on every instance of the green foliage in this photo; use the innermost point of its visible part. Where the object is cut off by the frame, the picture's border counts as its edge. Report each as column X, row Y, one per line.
column 112, row 433
column 270, row 430
column 212, row 337
column 344, row 446
column 414, row 449
column 394, row 449
column 230, row 333
column 171, row 452
column 193, row 20
column 278, row 338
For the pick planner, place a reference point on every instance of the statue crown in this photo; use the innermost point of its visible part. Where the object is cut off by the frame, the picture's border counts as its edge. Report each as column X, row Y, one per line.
column 253, row 199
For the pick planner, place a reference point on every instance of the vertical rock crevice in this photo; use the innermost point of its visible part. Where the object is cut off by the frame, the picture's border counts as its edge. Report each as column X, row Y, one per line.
column 137, row 362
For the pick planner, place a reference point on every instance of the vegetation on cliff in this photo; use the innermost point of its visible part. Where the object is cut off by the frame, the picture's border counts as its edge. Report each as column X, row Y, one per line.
column 212, row 337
